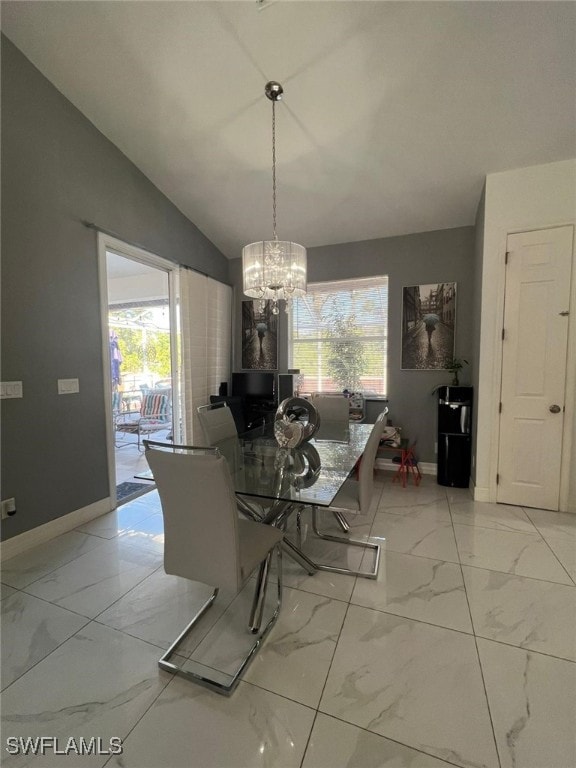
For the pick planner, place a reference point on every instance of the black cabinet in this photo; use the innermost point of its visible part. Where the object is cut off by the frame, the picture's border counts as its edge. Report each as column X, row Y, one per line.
column 454, row 436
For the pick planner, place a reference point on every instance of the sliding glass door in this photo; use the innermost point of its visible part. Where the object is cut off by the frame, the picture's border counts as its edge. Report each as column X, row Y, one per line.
column 141, row 369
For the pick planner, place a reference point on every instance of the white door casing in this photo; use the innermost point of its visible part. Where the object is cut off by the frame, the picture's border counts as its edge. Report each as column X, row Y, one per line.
column 534, row 351
column 107, row 243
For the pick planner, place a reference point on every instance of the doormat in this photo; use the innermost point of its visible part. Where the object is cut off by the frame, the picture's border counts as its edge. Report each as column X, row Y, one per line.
column 127, row 491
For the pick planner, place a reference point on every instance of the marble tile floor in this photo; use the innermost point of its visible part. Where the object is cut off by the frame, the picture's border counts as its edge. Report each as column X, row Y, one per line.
column 461, row 653
column 128, row 459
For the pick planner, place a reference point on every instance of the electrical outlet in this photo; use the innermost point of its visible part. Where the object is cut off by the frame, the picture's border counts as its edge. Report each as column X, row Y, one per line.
column 8, row 508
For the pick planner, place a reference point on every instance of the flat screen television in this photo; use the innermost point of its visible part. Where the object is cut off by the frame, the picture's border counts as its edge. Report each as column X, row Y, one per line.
column 253, row 384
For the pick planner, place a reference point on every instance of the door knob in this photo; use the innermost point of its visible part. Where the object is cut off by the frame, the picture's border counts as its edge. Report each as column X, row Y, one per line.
column 554, row 409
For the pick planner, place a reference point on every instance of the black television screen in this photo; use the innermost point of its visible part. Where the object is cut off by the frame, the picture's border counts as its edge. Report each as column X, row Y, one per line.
column 253, row 384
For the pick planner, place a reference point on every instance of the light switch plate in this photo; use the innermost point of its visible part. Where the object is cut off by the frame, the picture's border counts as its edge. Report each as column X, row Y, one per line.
column 10, row 390
column 68, row 386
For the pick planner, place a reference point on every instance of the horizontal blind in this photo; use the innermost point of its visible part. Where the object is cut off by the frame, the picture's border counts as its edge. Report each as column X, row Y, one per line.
column 218, row 334
column 339, row 335
column 194, row 354
column 206, row 306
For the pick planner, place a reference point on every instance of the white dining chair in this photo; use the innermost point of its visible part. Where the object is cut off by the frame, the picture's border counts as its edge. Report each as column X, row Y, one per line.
column 217, row 423
column 356, row 496
column 334, row 414
column 332, row 408
column 206, row 540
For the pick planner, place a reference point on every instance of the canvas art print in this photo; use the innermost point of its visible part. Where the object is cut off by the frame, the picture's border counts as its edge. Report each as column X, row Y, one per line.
column 428, row 326
column 259, row 336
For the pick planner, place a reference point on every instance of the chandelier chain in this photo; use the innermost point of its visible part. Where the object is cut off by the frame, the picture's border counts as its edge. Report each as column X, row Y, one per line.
column 274, row 270
column 274, row 170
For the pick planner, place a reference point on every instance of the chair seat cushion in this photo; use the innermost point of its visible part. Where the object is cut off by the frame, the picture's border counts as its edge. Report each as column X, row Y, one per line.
column 254, row 539
column 154, row 406
column 347, row 497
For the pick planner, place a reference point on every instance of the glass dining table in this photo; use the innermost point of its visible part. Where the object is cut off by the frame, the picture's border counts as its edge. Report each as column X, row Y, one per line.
column 272, row 482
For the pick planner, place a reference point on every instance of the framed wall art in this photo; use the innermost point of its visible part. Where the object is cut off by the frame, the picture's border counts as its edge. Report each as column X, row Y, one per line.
column 428, row 326
column 259, row 336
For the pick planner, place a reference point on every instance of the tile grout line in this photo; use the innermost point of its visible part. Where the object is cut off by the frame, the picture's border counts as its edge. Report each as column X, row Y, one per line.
column 145, row 712
column 331, row 661
column 373, row 733
column 572, row 579
column 61, row 565
column 472, row 633
column 71, row 610
column 518, row 575
column 476, row 646
column 310, row 734
column 3, row 690
column 393, row 741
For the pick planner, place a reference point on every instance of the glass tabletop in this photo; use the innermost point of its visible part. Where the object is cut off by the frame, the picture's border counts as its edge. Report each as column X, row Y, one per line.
column 312, row 473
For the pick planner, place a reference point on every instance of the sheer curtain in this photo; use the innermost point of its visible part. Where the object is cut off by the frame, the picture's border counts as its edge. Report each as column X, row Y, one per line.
column 206, row 338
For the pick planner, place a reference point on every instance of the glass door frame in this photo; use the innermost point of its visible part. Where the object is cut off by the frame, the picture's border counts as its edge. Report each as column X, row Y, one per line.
column 134, row 253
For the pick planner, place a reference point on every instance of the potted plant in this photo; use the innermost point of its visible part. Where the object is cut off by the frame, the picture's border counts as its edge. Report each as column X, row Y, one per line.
column 454, row 365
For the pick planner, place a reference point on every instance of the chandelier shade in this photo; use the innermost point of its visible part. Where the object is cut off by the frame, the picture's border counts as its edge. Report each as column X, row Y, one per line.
column 274, row 269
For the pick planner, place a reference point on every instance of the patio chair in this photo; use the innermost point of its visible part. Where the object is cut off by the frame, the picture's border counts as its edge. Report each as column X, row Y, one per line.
column 155, row 414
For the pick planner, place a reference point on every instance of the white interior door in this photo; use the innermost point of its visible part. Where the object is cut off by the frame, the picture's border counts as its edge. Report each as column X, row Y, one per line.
column 534, row 350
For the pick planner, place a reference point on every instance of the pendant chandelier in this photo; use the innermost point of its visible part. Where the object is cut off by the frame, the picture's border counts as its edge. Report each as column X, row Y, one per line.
column 274, row 269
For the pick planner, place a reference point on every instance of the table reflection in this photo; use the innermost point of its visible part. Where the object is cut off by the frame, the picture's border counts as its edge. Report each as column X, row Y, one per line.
column 311, row 473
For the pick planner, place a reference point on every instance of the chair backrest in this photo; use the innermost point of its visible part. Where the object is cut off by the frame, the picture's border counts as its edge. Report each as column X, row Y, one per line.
column 155, row 406
column 200, row 514
column 366, row 472
column 236, row 405
column 332, row 408
column 217, row 423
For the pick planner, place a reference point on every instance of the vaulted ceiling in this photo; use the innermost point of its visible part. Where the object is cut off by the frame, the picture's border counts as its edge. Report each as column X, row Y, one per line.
column 393, row 113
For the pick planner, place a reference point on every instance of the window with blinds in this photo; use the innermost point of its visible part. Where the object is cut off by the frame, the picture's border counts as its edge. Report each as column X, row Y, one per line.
column 339, row 336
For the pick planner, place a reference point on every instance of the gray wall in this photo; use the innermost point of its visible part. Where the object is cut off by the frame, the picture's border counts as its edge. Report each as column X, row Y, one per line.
column 57, row 170
column 428, row 257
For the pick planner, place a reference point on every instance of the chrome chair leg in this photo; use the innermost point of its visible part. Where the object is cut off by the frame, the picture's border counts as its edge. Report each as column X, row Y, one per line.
column 373, row 574
column 221, row 683
column 299, row 527
column 259, row 595
column 164, row 662
column 251, row 510
column 296, row 554
column 341, row 520
column 279, row 519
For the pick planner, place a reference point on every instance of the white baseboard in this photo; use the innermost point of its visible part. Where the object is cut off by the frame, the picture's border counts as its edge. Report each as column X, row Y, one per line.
column 426, row 467
column 18, row 544
column 479, row 493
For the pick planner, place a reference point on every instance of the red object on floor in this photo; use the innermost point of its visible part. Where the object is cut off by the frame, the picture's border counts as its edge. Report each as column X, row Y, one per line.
column 408, row 464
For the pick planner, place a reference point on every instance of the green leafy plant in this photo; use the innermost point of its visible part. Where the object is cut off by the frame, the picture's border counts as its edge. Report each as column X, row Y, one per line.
column 454, row 365
column 346, row 353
